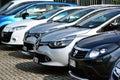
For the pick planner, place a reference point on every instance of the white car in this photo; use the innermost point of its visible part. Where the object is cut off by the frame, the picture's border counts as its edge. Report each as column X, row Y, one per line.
column 15, row 3
column 70, row 20
column 13, row 34
column 53, row 49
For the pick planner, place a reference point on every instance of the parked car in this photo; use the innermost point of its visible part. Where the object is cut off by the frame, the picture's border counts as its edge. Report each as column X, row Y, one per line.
column 96, row 57
column 16, row 3
column 49, row 27
column 13, row 34
column 27, row 11
column 53, row 48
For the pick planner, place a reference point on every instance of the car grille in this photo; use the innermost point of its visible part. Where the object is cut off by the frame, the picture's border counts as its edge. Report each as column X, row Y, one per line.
column 29, row 46
column 79, row 52
column 5, row 36
column 37, row 35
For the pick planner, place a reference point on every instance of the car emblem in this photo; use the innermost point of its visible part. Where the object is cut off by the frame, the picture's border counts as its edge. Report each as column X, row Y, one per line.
column 75, row 52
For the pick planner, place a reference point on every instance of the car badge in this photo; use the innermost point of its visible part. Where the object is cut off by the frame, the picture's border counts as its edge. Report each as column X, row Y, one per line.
column 75, row 52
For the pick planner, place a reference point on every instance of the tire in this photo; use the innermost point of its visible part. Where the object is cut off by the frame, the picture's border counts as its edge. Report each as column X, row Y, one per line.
column 113, row 75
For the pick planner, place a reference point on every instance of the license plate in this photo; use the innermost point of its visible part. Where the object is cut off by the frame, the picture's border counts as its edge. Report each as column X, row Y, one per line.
column 72, row 63
column 36, row 60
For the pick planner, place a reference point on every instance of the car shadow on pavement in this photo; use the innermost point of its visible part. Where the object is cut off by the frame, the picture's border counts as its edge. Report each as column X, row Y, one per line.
column 18, row 54
column 38, row 69
column 52, row 77
column 9, row 48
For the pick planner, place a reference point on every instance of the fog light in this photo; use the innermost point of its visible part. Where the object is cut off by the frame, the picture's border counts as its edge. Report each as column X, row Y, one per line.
column 14, row 39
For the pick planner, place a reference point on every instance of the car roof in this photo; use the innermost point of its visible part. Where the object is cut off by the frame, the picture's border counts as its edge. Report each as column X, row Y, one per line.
column 72, row 7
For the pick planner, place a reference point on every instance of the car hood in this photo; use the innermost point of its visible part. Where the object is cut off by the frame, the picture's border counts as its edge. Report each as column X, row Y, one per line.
column 27, row 22
column 46, row 27
column 58, row 35
column 96, row 40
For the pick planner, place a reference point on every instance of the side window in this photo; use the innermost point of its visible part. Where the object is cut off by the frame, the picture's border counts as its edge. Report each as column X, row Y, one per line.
column 59, row 5
column 36, row 10
column 60, row 16
column 49, row 7
column 63, row 14
column 114, row 25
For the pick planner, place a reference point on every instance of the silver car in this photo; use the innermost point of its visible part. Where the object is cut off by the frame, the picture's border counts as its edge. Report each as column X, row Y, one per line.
column 70, row 20
column 53, row 49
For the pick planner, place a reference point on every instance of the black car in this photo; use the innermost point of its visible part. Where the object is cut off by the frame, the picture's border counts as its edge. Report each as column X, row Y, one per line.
column 96, row 57
column 115, row 75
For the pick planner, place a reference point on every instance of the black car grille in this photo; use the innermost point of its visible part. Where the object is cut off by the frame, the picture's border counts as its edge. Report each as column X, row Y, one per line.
column 79, row 53
column 5, row 36
column 29, row 46
column 37, row 35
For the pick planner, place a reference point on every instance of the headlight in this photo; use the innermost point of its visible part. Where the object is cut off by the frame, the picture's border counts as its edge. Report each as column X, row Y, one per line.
column 62, row 42
column 16, row 28
column 102, row 50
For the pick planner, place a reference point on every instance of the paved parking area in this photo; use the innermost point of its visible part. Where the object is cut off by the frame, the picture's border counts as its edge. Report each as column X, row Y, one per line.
column 16, row 66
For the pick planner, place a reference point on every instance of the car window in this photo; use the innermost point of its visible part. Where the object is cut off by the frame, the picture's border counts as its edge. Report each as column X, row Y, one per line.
column 75, row 16
column 110, row 27
column 59, row 5
column 38, row 10
column 63, row 14
column 98, row 19
column 47, row 14
column 14, row 10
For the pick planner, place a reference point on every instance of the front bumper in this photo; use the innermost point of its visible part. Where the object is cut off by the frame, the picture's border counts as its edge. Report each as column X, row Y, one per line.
column 58, row 57
column 13, row 38
column 28, row 47
column 77, row 77
column 88, row 68
column 100, row 67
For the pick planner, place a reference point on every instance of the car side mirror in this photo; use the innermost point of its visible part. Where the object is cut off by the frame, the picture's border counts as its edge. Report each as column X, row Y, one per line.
column 25, row 15
column 114, row 24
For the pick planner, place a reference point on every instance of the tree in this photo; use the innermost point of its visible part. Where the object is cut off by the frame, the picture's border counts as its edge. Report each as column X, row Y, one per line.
column 116, row 1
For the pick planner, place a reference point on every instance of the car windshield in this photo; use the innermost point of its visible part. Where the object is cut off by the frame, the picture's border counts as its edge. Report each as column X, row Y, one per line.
column 8, row 7
column 96, row 20
column 14, row 10
column 75, row 16
column 47, row 14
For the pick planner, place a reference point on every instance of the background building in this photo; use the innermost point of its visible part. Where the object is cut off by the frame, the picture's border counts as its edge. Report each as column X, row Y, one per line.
column 87, row 2
column 80, row 2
